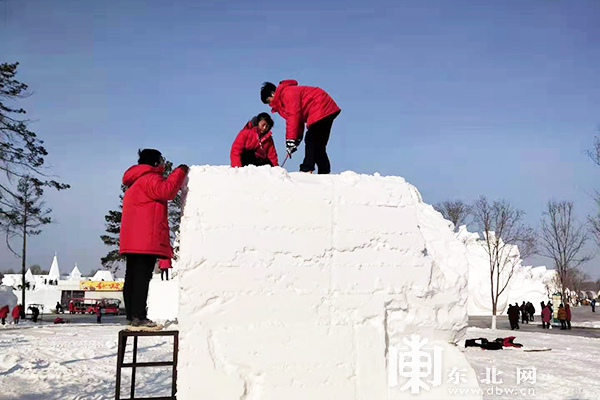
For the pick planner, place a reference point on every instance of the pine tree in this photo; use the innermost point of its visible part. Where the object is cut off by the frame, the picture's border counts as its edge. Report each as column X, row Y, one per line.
column 24, row 215
column 21, row 151
column 21, row 157
column 113, row 259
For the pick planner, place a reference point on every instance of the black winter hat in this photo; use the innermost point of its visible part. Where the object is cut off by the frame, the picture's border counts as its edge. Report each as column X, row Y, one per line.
column 149, row 157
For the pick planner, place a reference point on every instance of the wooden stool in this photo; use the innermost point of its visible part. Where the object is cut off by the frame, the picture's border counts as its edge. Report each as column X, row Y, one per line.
column 123, row 335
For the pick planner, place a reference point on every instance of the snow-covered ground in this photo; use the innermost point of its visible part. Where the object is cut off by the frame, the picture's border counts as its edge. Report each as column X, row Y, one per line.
column 567, row 371
column 78, row 361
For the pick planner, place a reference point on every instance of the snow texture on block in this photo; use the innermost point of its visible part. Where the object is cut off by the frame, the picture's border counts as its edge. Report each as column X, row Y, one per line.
column 295, row 286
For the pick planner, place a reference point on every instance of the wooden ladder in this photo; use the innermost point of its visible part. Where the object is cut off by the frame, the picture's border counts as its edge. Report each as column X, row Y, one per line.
column 123, row 335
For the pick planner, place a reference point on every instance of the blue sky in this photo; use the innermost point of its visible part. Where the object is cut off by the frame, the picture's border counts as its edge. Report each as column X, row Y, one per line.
column 461, row 98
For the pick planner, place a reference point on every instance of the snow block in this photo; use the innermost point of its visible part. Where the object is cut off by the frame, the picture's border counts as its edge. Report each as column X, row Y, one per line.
column 297, row 286
column 7, row 298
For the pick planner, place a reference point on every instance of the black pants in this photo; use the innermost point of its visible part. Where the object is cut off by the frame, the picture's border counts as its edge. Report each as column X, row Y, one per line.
column 315, row 144
column 3, row 320
column 514, row 324
column 545, row 325
column 99, row 318
column 248, row 157
column 137, row 280
column 524, row 318
column 163, row 273
column 563, row 324
column 568, row 324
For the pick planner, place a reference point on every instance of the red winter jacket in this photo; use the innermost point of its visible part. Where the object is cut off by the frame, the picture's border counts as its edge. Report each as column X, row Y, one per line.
column 301, row 105
column 4, row 312
column 249, row 139
column 16, row 312
column 546, row 314
column 568, row 312
column 164, row 263
column 144, row 224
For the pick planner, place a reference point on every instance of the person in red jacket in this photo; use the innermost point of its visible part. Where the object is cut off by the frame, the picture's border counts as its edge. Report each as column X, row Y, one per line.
column 300, row 105
column 254, row 144
column 4, row 313
column 144, row 235
column 546, row 316
column 164, row 264
column 16, row 313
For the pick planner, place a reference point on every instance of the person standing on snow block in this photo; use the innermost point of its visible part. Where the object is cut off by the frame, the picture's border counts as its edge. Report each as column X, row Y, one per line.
column 300, row 105
column 144, row 233
column 254, row 144
column 164, row 264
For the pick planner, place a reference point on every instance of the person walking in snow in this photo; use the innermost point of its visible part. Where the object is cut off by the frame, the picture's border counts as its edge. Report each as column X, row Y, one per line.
column 164, row 264
column 300, row 105
column 568, row 315
column 59, row 308
column 144, row 235
column 562, row 316
column 513, row 316
column 254, row 144
column 4, row 313
column 546, row 315
column 524, row 313
column 16, row 313
column 35, row 312
column 98, row 314
column 530, row 310
column 593, row 303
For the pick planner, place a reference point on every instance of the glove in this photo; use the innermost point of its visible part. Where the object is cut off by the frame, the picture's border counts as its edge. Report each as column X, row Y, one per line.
column 185, row 168
column 291, row 145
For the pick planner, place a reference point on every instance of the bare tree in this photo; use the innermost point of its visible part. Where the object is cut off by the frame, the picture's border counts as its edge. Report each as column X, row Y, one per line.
column 594, row 221
column 454, row 211
column 575, row 281
column 506, row 239
column 563, row 239
column 594, row 152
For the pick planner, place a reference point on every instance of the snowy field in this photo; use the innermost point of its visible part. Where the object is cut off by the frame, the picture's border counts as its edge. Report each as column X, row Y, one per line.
column 78, row 361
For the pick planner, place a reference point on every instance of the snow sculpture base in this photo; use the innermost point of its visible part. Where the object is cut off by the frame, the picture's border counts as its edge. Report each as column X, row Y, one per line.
column 297, row 286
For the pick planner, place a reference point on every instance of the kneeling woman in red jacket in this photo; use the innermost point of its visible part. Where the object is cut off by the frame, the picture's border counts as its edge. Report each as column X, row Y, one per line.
column 254, row 144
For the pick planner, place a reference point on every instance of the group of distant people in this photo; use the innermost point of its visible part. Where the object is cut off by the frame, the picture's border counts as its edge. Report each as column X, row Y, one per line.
column 526, row 311
column 16, row 313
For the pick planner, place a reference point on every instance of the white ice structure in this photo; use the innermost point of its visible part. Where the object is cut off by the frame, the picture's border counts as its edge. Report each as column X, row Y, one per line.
column 301, row 286
column 75, row 274
column 54, row 273
column 102, row 275
column 527, row 283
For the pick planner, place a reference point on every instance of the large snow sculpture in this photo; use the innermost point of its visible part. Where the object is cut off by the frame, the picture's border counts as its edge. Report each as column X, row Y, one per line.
column 526, row 284
column 300, row 286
